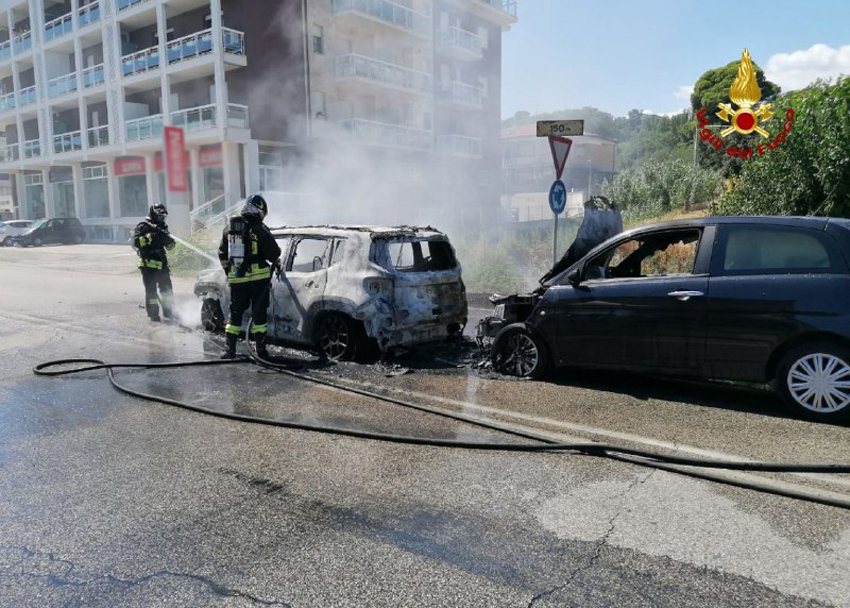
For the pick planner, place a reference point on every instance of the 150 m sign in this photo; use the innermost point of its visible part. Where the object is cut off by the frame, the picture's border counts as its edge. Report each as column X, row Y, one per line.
column 563, row 128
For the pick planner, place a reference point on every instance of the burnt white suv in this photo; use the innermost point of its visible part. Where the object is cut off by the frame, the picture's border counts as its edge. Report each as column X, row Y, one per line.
column 349, row 291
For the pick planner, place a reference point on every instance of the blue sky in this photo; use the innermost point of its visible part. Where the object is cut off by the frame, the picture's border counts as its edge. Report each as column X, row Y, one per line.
column 623, row 54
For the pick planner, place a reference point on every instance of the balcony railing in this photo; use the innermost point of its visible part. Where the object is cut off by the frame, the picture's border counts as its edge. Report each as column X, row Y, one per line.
column 144, row 128
column 58, row 27
column 68, row 142
column 22, row 42
column 461, row 92
column 7, row 102
column 508, row 6
column 459, row 145
column 89, row 13
column 98, row 136
column 122, row 4
column 32, row 148
column 93, row 76
column 26, row 96
column 233, row 41
column 5, row 50
column 359, row 66
column 237, row 116
column 195, row 119
column 140, row 61
column 9, row 153
column 190, row 46
column 62, row 85
column 387, row 134
column 389, row 12
column 455, row 37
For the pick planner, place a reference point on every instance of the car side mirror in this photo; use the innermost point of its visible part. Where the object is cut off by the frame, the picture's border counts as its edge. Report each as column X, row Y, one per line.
column 317, row 263
column 574, row 277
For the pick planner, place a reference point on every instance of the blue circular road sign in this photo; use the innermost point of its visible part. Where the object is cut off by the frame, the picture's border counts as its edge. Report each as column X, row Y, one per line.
column 558, row 197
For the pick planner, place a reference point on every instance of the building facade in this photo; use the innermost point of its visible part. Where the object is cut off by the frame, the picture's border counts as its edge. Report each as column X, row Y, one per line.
column 87, row 86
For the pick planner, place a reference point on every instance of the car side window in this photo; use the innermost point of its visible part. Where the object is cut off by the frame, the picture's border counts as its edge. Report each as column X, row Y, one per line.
column 747, row 249
column 337, row 251
column 668, row 253
column 311, row 254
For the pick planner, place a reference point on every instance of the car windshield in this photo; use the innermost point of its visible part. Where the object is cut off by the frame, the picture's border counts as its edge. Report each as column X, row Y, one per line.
column 39, row 224
column 420, row 255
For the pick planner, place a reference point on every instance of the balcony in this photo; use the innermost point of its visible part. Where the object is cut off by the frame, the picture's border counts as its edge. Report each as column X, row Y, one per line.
column 62, row 85
column 32, row 148
column 233, row 41
column 144, row 128
column 237, row 116
column 506, row 6
column 190, row 46
column 140, row 61
column 387, row 12
column 90, row 13
column 461, row 43
column 26, row 96
column 459, row 145
column 22, row 43
column 98, row 136
column 5, row 50
column 58, row 27
column 194, row 119
column 383, row 73
column 93, row 76
column 125, row 4
column 9, row 153
column 68, row 142
column 7, row 102
column 462, row 93
column 387, row 134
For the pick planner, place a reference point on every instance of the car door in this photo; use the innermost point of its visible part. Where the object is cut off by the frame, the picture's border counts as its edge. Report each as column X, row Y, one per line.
column 768, row 283
column 640, row 304
column 48, row 233
column 297, row 294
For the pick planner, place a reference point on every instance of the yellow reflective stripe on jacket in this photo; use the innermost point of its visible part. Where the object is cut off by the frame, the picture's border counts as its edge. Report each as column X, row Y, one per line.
column 260, row 329
column 156, row 264
column 232, row 329
column 255, row 273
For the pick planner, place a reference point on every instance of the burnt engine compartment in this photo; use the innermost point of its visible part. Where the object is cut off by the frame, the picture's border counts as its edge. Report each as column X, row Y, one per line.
column 514, row 308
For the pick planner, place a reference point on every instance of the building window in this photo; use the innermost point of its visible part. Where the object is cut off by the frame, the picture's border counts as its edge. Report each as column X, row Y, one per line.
column 318, row 39
column 96, row 192
column 320, row 106
column 133, row 195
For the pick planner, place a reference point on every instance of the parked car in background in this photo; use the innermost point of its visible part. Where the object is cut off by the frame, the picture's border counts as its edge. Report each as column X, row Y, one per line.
column 65, row 230
column 12, row 228
column 756, row 299
column 348, row 291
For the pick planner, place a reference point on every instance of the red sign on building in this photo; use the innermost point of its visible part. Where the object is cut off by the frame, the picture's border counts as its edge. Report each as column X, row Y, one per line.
column 175, row 159
column 210, row 156
column 133, row 165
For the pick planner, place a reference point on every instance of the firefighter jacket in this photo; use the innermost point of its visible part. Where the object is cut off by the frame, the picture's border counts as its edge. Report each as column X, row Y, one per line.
column 150, row 242
column 261, row 253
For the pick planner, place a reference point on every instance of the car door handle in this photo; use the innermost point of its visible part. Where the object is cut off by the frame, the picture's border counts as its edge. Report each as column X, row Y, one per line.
column 684, row 296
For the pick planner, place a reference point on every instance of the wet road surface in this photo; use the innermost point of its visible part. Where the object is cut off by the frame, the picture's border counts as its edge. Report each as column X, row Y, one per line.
column 107, row 500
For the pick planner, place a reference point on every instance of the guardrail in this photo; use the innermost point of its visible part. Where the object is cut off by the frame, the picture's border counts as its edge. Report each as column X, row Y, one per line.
column 22, row 42
column 9, row 153
column 237, row 116
column 98, row 136
column 143, row 128
column 93, row 76
column 68, row 142
column 26, row 96
column 461, row 92
column 140, row 61
column 7, row 102
column 383, row 72
column 58, row 27
column 455, row 37
column 459, row 145
column 32, row 148
column 389, row 12
column 195, row 119
column 388, row 134
column 5, row 50
column 90, row 13
column 62, row 85
column 124, row 4
column 233, row 41
column 190, row 46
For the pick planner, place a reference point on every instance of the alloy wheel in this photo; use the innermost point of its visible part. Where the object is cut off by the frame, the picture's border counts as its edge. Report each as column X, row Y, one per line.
column 334, row 337
column 820, row 382
column 521, row 356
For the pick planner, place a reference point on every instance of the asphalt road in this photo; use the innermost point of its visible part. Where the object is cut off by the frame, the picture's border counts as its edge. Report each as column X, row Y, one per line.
column 107, row 500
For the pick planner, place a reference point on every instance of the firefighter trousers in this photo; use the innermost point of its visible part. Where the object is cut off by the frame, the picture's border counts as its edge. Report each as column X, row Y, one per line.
column 154, row 278
column 254, row 294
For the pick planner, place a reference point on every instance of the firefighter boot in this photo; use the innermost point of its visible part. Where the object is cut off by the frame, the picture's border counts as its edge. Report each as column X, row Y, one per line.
column 262, row 352
column 230, row 353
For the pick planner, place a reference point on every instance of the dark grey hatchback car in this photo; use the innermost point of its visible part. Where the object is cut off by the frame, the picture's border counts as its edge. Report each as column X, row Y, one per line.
column 756, row 299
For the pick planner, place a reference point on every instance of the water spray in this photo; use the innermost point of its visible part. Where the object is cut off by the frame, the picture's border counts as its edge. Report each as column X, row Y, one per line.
column 196, row 250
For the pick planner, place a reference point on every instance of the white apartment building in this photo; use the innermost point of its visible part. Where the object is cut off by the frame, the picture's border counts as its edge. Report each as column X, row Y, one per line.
column 86, row 87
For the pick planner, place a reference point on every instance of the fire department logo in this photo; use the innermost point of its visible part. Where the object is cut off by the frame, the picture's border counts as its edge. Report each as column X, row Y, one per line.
column 745, row 93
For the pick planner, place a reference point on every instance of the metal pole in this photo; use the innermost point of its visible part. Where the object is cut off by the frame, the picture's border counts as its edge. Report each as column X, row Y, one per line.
column 555, row 243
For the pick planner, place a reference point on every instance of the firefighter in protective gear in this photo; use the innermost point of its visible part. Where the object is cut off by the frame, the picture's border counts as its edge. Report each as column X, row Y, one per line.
column 248, row 252
column 150, row 240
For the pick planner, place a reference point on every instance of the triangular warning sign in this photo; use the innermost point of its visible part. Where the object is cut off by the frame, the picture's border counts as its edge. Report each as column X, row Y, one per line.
column 560, row 151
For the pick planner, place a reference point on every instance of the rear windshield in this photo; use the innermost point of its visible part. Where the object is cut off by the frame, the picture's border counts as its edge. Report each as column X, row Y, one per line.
column 411, row 255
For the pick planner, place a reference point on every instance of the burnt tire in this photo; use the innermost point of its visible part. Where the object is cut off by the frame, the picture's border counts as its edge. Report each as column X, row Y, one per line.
column 337, row 337
column 814, row 381
column 519, row 352
column 7, row 242
column 212, row 317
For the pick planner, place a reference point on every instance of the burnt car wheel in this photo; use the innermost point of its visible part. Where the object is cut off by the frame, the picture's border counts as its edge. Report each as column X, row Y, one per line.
column 7, row 242
column 336, row 337
column 814, row 381
column 36, row 242
column 212, row 318
column 519, row 352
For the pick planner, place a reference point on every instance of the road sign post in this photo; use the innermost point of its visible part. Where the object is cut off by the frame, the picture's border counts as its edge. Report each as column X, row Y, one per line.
column 560, row 147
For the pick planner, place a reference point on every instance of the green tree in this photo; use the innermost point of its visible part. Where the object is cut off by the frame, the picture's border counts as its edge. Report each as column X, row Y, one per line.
column 809, row 172
column 713, row 87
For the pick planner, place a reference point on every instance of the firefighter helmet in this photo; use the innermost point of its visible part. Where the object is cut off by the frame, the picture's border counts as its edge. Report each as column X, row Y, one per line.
column 255, row 207
column 157, row 214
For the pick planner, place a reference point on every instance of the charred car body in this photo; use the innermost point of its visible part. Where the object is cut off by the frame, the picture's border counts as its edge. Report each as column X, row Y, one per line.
column 351, row 290
column 757, row 299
